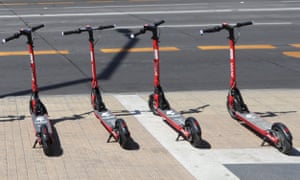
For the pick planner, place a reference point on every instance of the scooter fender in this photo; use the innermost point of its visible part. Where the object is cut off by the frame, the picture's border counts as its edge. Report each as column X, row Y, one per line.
column 39, row 121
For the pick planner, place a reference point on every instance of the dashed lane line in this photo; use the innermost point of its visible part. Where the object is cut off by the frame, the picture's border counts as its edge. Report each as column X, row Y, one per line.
column 295, row 45
column 145, row 49
column 295, row 54
column 252, row 46
column 42, row 52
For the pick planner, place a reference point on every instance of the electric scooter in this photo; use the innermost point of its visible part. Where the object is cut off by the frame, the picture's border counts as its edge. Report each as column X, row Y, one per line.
column 276, row 134
column 38, row 111
column 188, row 128
column 117, row 128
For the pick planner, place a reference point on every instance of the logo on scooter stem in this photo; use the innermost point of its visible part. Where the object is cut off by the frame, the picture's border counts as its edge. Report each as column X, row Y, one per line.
column 231, row 63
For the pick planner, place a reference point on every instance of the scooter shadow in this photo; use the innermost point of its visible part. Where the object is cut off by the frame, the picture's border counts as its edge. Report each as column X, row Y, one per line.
column 55, row 149
column 9, row 118
column 131, row 144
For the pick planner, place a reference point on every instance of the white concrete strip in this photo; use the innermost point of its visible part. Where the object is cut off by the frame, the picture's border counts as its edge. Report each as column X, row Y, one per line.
column 200, row 163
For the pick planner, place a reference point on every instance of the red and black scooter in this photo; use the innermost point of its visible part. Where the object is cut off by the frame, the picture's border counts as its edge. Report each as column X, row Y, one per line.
column 276, row 134
column 117, row 128
column 38, row 111
column 188, row 128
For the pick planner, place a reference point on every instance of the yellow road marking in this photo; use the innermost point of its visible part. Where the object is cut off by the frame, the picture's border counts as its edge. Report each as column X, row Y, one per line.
column 146, row 49
column 295, row 54
column 295, row 45
column 43, row 52
column 254, row 46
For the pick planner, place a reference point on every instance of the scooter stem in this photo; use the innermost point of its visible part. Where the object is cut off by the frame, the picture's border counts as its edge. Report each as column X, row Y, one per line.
column 92, row 54
column 33, row 69
column 232, row 64
column 156, row 63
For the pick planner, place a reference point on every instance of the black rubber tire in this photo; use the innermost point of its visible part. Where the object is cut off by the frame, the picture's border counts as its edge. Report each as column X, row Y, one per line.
column 45, row 139
column 124, row 135
column 151, row 104
column 193, row 127
column 285, row 144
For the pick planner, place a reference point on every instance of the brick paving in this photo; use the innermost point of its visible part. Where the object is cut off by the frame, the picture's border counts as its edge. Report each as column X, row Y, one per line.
column 82, row 151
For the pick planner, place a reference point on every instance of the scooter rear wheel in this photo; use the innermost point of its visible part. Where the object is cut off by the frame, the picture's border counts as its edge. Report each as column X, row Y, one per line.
column 285, row 138
column 124, row 135
column 45, row 139
column 194, row 129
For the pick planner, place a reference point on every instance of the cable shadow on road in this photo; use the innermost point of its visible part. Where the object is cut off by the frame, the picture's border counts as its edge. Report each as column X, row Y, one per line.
column 194, row 110
column 273, row 114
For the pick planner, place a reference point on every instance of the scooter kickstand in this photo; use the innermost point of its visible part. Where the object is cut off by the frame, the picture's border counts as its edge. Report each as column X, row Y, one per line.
column 264, row 141
column 35, row 142
column 179, row 135
column 110, row 136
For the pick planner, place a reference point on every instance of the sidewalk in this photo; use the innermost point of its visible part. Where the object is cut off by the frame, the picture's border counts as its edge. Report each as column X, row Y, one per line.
column 86, row 155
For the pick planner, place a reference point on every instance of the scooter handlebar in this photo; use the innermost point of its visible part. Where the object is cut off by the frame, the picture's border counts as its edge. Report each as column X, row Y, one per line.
column 225, row 26
column 134, row 35
column 146, row 27
column 87, row 28
column 211, row 30
column 159, row 23
column 15, row 36
column 22, row 32
column 37, row 27
column 105, row 27
column 240, row 24
column 77, row 31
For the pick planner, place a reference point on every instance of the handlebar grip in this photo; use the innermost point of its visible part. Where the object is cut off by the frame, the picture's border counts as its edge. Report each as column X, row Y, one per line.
column 77, row 31
column 210, row 30
column 247, row 23
column 134, row 35
column 37, row 27
column 159, row 23
column 15, row 36
column 106, row 27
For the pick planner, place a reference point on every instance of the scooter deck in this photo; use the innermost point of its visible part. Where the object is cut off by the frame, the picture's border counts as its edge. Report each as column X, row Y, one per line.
column 255, row 120
column 173, row 115
column 40, row 120
column 107, row 116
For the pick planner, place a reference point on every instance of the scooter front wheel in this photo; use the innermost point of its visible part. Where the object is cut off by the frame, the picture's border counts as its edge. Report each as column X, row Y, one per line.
column 151, row 104
column 285, row 138
column 45, row 139
column 194, row 129
column 230, row 109
column 124, row 135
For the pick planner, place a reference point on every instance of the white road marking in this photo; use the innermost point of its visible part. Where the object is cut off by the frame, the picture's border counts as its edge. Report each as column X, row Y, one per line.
column 197, row 162
column 201, row 163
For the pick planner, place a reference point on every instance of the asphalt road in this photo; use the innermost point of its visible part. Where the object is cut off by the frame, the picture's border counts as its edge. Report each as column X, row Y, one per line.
column 276, row 23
